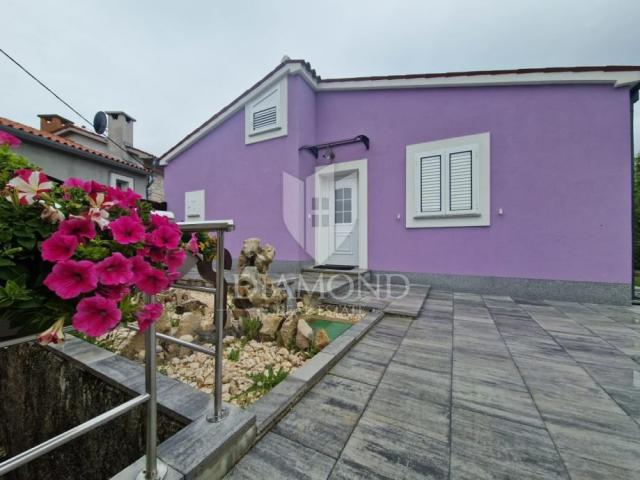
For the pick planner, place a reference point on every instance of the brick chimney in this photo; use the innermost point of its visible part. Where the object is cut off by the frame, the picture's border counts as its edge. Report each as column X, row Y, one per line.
column 120, row 130
column 51, row 123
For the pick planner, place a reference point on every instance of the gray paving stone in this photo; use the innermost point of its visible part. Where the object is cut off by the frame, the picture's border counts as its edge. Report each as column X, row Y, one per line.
column 346, row 470
column 428, row 407
column 209, row 447
column 276, row 457
column 364, row 363
column 488, row 447
column 325, row 417
column 505, row 400
column 383, row 338
column 527, row 390
column 389, row 449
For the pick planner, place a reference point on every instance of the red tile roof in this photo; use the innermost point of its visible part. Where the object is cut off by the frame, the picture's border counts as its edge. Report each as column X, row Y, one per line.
column 5, row 122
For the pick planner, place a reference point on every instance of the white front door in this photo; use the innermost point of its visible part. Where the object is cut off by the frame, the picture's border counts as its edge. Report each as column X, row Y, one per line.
column 343, row 228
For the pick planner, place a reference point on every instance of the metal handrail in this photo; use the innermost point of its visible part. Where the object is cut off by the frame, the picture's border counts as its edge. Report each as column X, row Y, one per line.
column 155, row 469
column 219, row 226
column 183, row 343
column 195, row 288
column 59, row 440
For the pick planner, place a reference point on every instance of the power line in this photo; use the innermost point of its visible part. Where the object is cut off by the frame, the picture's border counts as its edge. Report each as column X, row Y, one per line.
column 64, row 102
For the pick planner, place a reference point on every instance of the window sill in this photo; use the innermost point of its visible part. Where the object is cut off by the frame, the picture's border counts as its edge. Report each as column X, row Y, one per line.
column 427, row 216
column 256, row 133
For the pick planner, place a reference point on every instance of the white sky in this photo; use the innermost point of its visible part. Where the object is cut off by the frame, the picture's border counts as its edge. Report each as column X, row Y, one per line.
column 172, row 64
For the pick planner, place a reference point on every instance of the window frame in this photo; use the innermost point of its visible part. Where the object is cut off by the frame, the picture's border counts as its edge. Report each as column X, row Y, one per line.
column 267, row 132
column 479, row 215
column 114, row 177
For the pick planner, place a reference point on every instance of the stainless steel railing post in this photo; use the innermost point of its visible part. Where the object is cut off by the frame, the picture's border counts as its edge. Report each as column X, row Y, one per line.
column 218, row 411
column 154, row 469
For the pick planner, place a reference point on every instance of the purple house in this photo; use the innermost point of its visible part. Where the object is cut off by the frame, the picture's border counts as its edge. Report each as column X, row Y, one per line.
column 513, row 182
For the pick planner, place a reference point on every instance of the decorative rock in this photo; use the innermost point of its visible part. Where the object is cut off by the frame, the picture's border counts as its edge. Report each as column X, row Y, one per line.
column 228, row 340
column 190, row 306
column 304, row 335
column 321, row 339
column 288, row 330
column 186, row 338
column 190, row 324
column 270, row 325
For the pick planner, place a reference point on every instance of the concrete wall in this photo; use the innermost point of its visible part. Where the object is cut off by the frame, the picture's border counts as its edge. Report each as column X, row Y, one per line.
column 44, row 395
column 64, row 165
column 560, row 170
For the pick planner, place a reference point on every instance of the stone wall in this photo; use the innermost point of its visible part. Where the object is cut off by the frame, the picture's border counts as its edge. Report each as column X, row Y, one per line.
column 43, row 395
column 156, row 189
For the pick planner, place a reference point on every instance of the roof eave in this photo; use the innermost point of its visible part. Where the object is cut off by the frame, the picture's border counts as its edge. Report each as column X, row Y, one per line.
column 28, row 137
column 617, row 76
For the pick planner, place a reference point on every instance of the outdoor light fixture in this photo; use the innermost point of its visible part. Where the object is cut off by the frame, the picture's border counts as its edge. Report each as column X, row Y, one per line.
column 328, row 154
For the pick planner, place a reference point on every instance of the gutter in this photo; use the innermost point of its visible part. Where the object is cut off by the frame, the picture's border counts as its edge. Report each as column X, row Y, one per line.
column 73, row 151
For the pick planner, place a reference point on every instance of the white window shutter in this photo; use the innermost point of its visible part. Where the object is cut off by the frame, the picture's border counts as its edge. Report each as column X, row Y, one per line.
column 461, row 181
column 430, row 184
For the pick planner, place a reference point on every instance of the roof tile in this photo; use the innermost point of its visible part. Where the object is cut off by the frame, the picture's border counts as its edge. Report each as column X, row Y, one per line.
column 5, row 122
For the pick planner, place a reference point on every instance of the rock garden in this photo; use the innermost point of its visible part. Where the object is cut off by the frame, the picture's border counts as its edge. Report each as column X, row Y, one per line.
column 267, row 334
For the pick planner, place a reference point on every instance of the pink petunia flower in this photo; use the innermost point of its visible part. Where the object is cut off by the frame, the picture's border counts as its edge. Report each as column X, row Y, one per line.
column 114, row 270
column 153, row 282
column 9, row 140
column 70, row 278
column 155, row 254
column 174, row 259
column 193, row 244
column 76, row 183
column 59, row 247
column 96, row 315
column 79, row 227
column 159, row 220
column 113, row 292
column 53, row 334
column 139, row 268
column 165, row 236
column 29, row 184
column 127, row 230
column 92, row 187
column 149, row 314
column 124, row 198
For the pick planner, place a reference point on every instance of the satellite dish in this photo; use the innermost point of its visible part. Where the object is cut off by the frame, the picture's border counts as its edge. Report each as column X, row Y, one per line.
column 100, row 123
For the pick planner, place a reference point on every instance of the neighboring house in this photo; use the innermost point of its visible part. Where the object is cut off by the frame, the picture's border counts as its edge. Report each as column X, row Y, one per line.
column 512, row 182
column 89, row 155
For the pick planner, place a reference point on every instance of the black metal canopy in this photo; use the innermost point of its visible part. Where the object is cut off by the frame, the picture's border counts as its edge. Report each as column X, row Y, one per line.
column 315, row 149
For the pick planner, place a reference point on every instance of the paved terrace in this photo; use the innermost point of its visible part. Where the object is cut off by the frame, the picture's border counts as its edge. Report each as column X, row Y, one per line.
column 476, row 387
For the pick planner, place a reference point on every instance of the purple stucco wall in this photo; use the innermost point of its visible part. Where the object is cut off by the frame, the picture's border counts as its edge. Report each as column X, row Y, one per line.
column 560, row 170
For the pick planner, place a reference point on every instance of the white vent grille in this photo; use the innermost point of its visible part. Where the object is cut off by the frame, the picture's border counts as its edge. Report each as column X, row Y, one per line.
column 430, row 184
column 265, row 118
column 460, row 181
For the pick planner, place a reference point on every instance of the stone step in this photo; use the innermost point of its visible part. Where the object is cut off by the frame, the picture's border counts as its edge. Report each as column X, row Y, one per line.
column 356, row 272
